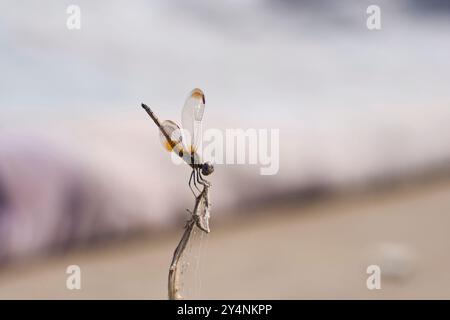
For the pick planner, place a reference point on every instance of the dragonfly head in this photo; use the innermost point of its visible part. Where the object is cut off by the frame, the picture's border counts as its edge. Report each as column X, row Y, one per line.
column 207, row 168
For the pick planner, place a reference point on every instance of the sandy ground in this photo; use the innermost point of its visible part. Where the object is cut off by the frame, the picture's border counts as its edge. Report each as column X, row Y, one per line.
column 291, row 252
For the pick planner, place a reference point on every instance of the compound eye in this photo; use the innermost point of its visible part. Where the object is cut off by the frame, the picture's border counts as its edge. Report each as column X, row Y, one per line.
column 207, row 168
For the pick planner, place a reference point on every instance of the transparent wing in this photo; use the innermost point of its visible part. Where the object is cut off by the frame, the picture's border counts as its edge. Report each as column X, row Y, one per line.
column 171, row 139
column 191, row 119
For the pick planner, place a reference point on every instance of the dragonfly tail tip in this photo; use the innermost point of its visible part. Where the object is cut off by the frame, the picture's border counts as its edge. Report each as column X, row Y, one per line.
column 146, row 107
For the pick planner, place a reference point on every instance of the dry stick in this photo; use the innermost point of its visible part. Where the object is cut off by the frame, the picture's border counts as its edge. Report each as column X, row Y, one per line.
column 174, row 282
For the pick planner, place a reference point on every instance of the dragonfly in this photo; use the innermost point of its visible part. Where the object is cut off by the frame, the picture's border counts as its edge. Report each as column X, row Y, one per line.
column 184, row 141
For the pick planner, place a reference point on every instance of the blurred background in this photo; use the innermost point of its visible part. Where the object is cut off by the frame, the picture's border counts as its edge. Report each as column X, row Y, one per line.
column 364, row 148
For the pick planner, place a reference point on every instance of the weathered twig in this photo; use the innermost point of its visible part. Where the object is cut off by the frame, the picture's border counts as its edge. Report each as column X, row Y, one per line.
column 174, row 286
column 199, row 218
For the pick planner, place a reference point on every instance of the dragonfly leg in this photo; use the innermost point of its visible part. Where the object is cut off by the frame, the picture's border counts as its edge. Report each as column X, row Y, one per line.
column 190, row 183
column 195, row 180
column 200, row 178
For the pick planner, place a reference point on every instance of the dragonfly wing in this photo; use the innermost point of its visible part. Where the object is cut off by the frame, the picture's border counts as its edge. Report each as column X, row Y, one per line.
column 170, row 136
column 191, row 118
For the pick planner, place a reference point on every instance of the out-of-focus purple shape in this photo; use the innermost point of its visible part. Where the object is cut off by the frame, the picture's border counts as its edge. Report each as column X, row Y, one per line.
column 48, row 201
